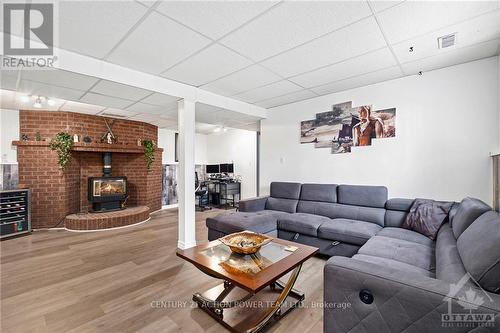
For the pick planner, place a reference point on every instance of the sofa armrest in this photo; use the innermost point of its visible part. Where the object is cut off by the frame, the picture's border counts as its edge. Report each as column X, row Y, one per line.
column 253, row 204
column 401, row 300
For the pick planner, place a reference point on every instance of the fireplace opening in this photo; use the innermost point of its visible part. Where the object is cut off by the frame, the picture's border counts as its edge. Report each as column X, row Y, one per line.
column 107, row 193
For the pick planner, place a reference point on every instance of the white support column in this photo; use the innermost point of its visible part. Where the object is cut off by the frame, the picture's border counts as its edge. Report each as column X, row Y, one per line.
column 187, row 226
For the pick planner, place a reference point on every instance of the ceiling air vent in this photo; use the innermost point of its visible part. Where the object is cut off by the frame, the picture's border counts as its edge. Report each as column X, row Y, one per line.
column 446, row 41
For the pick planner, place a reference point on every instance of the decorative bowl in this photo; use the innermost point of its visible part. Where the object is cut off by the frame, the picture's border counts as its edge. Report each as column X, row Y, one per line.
column 245, row 242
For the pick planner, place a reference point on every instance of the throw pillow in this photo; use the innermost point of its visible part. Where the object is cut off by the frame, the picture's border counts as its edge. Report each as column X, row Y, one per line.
column 426, row 216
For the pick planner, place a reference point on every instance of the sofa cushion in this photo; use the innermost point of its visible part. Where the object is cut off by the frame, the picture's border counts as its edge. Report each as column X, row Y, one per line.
column 399, row 204
column 285, row 190
column 283, row 205
column 393, row 264
column 426, row 216
column 348, row 231
column 479, row 248
column 405, row 234
column 468, row 211
column 262, row 222
column 400, row 250
column 449, row 266
column 306, row 224
column 319, row 192
column 334, row 210
column 357, row 195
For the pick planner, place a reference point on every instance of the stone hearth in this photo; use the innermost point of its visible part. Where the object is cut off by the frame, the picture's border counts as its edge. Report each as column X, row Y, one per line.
column 107, row 220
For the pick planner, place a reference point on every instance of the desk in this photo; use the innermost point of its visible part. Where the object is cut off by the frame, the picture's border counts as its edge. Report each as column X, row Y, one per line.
column 221, row 190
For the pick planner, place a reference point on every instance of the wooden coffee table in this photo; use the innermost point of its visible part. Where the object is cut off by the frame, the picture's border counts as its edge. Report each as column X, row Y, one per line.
column 251, row 296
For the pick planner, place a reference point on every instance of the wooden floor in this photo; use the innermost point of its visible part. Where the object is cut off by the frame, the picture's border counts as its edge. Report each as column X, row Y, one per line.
column 107, row 281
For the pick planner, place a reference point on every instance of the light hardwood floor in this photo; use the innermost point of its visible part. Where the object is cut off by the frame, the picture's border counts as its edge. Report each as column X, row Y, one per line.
column 61, row 281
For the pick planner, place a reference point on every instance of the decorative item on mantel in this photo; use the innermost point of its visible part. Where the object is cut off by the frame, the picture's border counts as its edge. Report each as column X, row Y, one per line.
column 38, row 136
column 25, row 137
column 108, row 137
column 87, row 139
column 75, row 138
column 139, row 142
column 62, row 143
column 149, row 152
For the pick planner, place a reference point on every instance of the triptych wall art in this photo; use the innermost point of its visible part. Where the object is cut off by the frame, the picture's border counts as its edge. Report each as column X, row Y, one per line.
column 346, row 126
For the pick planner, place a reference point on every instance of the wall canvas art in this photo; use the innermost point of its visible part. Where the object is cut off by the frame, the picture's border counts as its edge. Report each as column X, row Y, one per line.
column 346, row 126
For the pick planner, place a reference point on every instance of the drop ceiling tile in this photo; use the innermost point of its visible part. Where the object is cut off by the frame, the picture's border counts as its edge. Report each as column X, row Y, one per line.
column 480, row 29
column 117, row 113
column 60, row 78
column 293, row 23
column 369, row 62
column 246, row 79
column 81, row 107
column 356, row 39
column 269, row 91
column 147, row 108
column 359, row 81
column 145, row 117
column 160, row 99
column 286, row 99
column 119, row 90
column 379, row 6
column 169, row 114
column 455, row 57
column 107, row 101
column 157, row 44
column 94, row 28
column 36, row 88
column 213, row 18
column 8, row 79
column 206, row 66
column 414, row 18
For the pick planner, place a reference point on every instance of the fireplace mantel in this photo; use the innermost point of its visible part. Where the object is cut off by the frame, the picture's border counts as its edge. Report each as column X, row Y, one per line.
column 90, row 147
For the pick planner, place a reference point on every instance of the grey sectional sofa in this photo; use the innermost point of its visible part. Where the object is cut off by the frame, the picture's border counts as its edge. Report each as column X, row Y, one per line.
column 380, row 277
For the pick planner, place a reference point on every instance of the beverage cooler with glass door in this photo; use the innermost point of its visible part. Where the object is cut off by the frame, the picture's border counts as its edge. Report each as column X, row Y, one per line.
column 15, row 216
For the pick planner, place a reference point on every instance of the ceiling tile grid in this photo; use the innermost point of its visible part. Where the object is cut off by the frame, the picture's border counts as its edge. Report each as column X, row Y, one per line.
column 354, row 66
column 157, row 44
column 93, row 28
column 291, row 24
column 207, row 65
column 249, row 78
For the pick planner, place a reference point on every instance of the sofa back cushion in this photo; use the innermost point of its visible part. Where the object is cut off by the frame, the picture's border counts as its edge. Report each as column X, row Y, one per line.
column 357, row 195
column 479, row 249
column 468, row 211
column 319, row 192
column 335, row 210
column 284, row 197
column 396, row 211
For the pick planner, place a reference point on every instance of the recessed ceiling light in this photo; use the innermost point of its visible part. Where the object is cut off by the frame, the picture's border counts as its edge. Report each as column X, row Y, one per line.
column 217, row 129
column 51, row 102
column 25, row 99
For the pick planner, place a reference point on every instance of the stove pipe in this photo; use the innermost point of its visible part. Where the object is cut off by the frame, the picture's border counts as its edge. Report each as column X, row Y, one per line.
column 106, row 158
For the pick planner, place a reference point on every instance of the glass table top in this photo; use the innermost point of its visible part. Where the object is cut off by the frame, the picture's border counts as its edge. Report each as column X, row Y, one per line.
column 248, row 264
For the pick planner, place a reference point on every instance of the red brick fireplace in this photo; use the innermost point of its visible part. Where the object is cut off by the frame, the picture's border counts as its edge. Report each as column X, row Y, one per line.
column 56, row 193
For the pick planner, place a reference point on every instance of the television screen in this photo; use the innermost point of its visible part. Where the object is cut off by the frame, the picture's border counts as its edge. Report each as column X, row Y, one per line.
column 223, row 168
column 213, row 168
column 230, row 168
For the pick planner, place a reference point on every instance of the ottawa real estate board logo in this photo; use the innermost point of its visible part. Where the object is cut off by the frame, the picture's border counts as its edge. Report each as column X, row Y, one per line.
column 28, row 36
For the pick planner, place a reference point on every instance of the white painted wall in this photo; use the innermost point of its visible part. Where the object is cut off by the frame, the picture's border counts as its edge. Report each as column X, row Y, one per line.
column 9, row 131
column 238, row 147
column 166, row 140
column 447, row 123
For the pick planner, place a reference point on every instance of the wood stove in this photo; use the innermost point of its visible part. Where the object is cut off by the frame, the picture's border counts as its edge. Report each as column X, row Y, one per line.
column 107, row 193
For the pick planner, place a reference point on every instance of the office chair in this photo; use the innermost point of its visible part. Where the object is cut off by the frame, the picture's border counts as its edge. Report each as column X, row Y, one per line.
column 200, row 192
